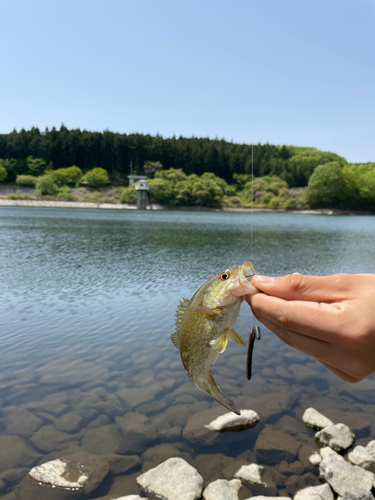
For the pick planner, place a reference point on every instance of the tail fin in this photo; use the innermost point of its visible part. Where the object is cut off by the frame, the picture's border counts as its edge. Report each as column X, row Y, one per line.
column 216, row 393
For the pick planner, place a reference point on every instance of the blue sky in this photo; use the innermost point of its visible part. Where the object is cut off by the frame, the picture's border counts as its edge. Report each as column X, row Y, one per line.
column 283, row 72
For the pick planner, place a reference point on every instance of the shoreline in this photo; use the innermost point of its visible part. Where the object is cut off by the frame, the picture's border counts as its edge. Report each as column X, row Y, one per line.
column 4, row 202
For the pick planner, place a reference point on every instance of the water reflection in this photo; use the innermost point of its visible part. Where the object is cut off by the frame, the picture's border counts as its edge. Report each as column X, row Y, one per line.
column 87, row 309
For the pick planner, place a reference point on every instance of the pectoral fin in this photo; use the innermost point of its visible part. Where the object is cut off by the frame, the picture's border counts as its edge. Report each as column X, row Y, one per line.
column 220, row 344
column 235, row 337
column 205, row 310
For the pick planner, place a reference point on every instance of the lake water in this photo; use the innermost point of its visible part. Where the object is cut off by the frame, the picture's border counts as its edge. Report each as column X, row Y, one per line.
column 87, row 301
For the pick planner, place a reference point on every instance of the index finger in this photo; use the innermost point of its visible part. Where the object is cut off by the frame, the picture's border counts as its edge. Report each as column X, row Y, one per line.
column 312, row 319
column 296, row 286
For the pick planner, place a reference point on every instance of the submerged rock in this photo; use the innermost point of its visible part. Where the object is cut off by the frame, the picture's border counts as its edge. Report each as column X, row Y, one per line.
column 272, row 447
column 322, row 492
column 338, row 437
column 315, row 420
column 361, row 457
column 221, row 489
column 232, row 422
column 341, row 475
column 15, row 452
column 262, row 497
column 173, row 479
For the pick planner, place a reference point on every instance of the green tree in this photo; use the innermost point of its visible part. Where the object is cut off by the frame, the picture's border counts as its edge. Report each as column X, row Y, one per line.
column 162, row 191
column 128, row 194
column 46, row 186
column 328, row 187
column 26, row 180
column 96, row 178
column 3, row 173
column 151, row 167
column 64, row 176
column 35, row 166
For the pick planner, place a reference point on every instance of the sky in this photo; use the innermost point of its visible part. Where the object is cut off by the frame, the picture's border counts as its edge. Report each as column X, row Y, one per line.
column 282, row 72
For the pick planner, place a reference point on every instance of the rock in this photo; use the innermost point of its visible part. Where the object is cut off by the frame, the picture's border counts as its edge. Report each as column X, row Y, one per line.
column 70, row 422
column 196, row 431
column 304, row 374
column 289, row 425
column 172, row 434
column 370, row 448
column 232, row 422
column 14, row 476
column 338, row 437
column 297, row 482
column 269, row 406
column 65, row 372
column 251, row 473
column 357, row 494
column 315, row 420
column 130, row 497
column 221, row 489
column 262, row 497
column 120, row 464
column 272, row 447
column 322, row 492
column 159, row 453
column 326, row 451
column 131, row 419
column 20, row 421
column 304, row 454
column 136, row 440
column 77, row 475
column 134, row 397
column 341, row 475
column 15, row 452
column 315, row 459
column 361, row 457
column 211, row 466
column 173, row 479
column 101, row 440
column 48, row 438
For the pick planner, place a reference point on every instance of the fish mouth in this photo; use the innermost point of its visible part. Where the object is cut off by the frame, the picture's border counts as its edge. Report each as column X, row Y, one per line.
column 244, row 285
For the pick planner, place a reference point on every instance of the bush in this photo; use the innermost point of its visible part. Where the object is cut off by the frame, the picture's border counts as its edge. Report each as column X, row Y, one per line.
column 46, row 186
column 20, row 196
column 26, row 180
column 3, row 174
column 65, row 194
column 162, row 191
column 128, row 195
column 96, row 178
column 64, row 176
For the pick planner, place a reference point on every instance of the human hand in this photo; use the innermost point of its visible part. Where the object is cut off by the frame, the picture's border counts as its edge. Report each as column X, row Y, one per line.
column 331, row 318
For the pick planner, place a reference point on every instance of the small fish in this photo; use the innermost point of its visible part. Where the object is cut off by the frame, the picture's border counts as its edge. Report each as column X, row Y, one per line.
column 204, row 324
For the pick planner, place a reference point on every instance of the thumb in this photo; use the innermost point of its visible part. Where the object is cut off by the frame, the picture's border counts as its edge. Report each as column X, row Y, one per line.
column 297, row 286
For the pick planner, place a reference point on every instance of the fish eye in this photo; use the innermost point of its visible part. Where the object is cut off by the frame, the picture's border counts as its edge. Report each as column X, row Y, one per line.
column 224, row 276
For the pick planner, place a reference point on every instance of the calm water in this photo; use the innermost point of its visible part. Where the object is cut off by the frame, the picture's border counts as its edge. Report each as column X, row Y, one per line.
column 87, row 301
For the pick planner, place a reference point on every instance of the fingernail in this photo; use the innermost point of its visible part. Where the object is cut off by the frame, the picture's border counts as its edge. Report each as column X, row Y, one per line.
column 263, row 279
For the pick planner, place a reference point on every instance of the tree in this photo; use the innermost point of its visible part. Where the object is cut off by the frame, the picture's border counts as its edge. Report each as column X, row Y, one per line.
column 27, row 180
column 128, row 195
column 328, row 187
column 150, row 167
column 96, row 178
column 46, row 186
column 3, row 173
column 35, row 166
column 64, row 176
column 161, row 191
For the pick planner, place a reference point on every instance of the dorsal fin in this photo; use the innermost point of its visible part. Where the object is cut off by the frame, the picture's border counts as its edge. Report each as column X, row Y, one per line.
column 180, row 311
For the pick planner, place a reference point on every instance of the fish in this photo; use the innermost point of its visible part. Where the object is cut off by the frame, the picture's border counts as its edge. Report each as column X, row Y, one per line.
column 204, row 324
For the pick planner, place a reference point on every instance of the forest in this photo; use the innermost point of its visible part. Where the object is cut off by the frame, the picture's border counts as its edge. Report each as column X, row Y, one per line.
column 185, row 171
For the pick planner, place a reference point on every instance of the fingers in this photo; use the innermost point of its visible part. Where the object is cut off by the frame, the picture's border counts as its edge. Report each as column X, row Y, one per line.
column 312, row 319
column 297, row 286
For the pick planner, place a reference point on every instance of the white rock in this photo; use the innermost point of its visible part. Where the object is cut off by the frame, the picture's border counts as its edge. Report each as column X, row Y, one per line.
column 341, row 475
column 52, row 473
column 262, row 497
column 232, row 422
column 131, row 497
column 173, row 479
column 322, row 492
column 361, row 457
column 357, row 494
column 251, row 473
column 314, row 419
column 222, row 490
column 370, row 447
column 339, row 437
column 315, row 459
column 326, row 451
